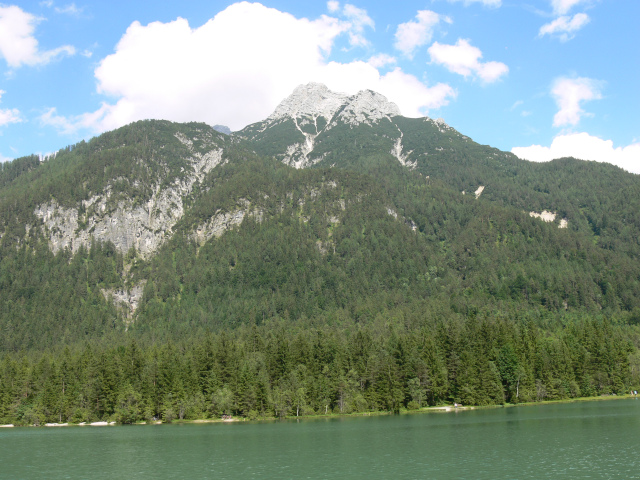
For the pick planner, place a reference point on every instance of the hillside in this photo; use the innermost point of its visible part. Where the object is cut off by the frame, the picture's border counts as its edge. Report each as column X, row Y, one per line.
column 336, row 215
column 394, row 211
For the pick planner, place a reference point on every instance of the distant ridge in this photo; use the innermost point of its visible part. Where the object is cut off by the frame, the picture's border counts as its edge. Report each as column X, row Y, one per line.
column 222, row 129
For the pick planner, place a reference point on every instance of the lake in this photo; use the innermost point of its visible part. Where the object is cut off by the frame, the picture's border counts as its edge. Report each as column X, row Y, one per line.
column 599, row 439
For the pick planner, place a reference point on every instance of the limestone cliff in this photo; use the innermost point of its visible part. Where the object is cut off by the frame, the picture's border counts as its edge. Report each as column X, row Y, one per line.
column 143, row 226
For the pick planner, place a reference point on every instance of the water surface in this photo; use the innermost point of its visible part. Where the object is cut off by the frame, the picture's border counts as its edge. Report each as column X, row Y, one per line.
column 596, row 440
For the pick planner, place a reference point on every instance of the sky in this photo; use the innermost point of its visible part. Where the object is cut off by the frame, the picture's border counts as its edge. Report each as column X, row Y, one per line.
column 542, row 78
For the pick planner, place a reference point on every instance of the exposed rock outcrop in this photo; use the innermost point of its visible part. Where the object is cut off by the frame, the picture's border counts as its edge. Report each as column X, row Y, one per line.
column 547, row 216
column 143, row 226
column 310, row 100
column 127, row 300
column 313, row 109
column 223, row 221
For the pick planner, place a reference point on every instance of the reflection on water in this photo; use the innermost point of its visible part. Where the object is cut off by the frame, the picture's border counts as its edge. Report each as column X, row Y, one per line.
column 578, row 440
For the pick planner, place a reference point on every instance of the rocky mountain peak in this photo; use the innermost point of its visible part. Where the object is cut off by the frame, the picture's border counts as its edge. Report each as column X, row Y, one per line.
column 315, row 100
column 368, row 105
column 222, row 129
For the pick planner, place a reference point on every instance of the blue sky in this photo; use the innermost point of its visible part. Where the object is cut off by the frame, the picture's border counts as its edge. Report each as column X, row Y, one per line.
column 544, row 79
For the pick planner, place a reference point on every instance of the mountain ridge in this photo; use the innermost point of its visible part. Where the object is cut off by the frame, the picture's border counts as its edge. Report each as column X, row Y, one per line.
column 149, row 201
column 166, row 270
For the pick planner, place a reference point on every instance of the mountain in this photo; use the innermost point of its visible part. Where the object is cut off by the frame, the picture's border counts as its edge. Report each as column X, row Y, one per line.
column 316, row 127
column 297, row 129
column 336, row 256
column 157, row 221
column 222, row 129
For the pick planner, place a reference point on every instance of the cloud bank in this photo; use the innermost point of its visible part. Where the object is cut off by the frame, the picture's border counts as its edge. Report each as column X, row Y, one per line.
column 236, row 68
column 585, row 147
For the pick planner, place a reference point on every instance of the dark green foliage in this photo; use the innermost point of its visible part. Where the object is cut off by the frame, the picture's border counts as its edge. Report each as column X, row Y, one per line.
column 284, row 368
column 52, row 299
column 333, row 242
column 9, row 171
column 366, row 286
column 131, row 160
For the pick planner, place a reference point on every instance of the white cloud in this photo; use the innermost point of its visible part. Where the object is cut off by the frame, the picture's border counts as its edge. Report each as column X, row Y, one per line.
column 233, row 70
column 8, row 116
column 565, row 27
column 18, row 45
column 70, row 9
column 584, row 147
column 464, row 59
column 382, row 60
column 333, row 6
column 358, row 19
column 562, row 7
column 63, row 124
column 71, row 125
column 412, row 96
column 488, row 3
column 569, row 93
column 414, row 34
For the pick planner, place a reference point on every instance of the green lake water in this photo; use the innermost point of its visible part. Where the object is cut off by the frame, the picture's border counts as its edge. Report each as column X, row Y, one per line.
column 595, row 440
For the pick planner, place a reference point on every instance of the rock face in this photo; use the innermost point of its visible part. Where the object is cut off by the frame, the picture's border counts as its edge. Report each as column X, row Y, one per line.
column 314, row 109
column 128, row 300
column 368, row 107
column 315, row 100
column 547, row 216
column 311, row 100
column 145, row 227
column 221, row 222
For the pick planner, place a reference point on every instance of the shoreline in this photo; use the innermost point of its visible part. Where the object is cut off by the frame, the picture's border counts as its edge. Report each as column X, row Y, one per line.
column 423, row 410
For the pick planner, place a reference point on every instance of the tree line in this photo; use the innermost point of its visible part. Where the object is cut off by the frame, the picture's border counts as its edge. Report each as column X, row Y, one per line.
column 285, row 368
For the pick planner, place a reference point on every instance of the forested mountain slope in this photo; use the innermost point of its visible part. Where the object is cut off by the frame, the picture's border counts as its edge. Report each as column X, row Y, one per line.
column 175, row 226
column 588, row 195
column 335, row 214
